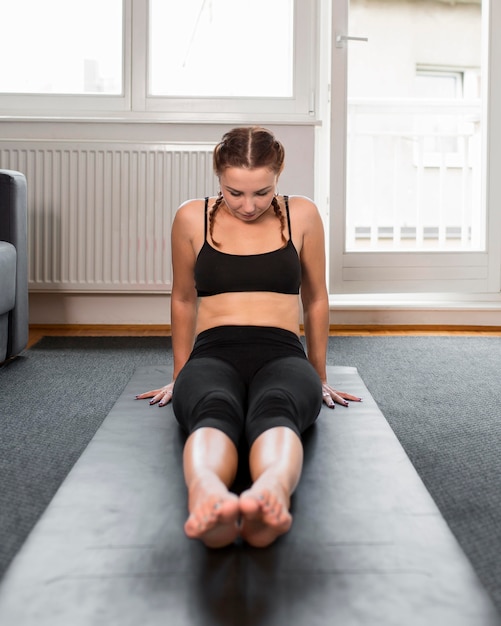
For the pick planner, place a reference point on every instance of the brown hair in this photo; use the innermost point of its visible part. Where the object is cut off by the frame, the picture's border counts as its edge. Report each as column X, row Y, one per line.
column 249, row 148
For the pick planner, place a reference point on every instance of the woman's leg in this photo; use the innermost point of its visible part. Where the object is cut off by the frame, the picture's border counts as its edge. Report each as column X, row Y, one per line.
column 285, row 397
column 208, row 402
column 276, row 461
column 210, row 463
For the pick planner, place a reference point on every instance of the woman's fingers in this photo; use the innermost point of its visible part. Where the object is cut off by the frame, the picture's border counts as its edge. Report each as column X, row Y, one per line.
column 148, row 394
column 349, row 396
column 166, row 396
column 331, row 396
column 161, row 396
column 327, row 398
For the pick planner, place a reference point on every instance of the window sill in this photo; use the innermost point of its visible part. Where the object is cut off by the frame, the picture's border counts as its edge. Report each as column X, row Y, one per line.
column 416, row 311
column 413, row 301
column 155, row 118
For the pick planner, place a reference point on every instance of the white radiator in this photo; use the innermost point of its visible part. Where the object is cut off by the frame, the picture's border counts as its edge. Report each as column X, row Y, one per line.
column 100, row 213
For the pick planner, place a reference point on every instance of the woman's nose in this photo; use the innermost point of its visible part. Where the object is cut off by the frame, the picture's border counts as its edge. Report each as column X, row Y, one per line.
column 248, row 205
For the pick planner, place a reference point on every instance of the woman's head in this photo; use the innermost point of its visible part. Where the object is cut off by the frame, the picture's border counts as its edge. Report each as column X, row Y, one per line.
column 249, row 148
column 248, row 162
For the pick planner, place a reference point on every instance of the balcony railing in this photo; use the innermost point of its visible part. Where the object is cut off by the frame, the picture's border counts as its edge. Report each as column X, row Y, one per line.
column 414, row 176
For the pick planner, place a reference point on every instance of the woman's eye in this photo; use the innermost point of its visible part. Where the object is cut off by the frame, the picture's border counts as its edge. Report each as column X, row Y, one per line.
column 237, row 194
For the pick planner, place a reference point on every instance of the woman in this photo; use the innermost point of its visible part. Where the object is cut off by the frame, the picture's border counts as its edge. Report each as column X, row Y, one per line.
column 240, row 370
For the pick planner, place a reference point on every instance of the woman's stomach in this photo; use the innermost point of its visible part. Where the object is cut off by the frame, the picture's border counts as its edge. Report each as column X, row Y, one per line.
column 249, row 309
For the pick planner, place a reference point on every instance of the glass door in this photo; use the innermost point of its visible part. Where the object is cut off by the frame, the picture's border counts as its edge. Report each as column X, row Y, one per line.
column 410, row 156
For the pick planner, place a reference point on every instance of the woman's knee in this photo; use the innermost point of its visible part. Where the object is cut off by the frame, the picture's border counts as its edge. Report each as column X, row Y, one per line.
column 208, row 393
column 290, row 380
column 286, row 393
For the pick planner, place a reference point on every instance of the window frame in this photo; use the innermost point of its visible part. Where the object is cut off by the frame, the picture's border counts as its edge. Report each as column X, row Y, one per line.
column 135, row 104
column 299, row 107
column 453, row 273
column 77, row 105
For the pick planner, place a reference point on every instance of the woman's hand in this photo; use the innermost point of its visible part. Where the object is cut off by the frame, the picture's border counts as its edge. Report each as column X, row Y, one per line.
column 330, row 396
column 163, row 396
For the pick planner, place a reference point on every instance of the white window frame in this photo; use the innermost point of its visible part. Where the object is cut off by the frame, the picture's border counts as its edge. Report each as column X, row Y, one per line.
column 299, row 107
column 76, row 105
column 443, row 72
column 414, row 272
column 135, row 104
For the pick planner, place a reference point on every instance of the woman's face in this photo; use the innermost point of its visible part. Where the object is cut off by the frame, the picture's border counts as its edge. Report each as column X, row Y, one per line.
column 248, row 193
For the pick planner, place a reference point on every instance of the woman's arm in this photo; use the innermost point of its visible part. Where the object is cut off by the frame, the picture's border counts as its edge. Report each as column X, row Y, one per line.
column 183, row 297
column 315, row 299
column 314, row 296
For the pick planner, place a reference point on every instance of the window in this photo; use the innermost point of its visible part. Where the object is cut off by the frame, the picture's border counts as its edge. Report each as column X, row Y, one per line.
column 438, row 84
column 414, row 195
column 414, row 129
column 157, row 59
column 216, row 48
column 227, row 59
column 451, row 136
column 62, row 48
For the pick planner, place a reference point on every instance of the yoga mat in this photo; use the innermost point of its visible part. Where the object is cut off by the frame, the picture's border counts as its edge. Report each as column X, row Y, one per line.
column 367, row 546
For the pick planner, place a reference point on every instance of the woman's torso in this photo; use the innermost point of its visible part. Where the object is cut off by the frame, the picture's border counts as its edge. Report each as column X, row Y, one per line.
column 251, row 240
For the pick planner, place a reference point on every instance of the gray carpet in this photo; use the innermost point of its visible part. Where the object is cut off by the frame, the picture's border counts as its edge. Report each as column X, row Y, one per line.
column 441, row 395
column 53, row 398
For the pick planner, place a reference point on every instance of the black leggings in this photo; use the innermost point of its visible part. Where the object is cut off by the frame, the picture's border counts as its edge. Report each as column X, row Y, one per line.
column 244, row 380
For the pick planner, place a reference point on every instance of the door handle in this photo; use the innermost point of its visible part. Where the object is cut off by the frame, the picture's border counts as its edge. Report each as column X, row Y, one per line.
column 342, row 39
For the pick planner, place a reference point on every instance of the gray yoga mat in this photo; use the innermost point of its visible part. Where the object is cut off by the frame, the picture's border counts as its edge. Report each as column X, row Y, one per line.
column 368, row 545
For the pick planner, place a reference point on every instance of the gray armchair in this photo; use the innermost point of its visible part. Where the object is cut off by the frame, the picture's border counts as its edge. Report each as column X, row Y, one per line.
column 13, row 264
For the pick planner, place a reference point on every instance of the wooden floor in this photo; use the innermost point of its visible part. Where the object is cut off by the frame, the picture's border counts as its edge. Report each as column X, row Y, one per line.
column 38, row 331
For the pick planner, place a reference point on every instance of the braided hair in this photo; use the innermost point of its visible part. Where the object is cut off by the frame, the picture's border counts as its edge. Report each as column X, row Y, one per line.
column 248, row 148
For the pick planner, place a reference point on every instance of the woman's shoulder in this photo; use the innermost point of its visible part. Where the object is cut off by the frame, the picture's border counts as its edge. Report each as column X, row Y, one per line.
column 189, row 219
column 191, row 210
column 301, row 203
column 302, row 208
column 306, row 221
column 192, row 205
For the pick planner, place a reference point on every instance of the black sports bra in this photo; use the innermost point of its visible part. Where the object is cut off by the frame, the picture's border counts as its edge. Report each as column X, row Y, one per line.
column 217, row 272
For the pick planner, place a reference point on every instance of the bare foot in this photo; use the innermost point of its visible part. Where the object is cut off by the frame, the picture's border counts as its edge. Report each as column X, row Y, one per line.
column 214, row 514
column 265, row 515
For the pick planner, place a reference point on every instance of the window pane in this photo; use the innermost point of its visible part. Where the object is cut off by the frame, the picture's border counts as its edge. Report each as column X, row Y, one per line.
column 221, row 48
column 414, row 127
column 61, row 46
column 438, row 84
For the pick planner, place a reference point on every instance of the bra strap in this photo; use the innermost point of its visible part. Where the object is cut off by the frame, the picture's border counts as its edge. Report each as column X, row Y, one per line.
column 286, row 200
column 205, row 217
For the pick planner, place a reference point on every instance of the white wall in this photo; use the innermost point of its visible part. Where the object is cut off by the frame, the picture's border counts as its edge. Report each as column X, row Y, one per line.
column 424, row 32
column 298, row 177
column 65, row 307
